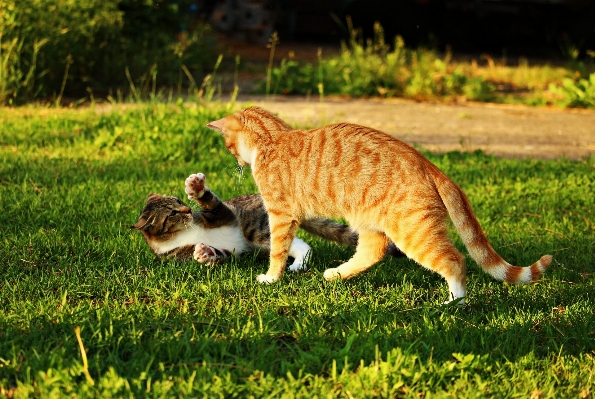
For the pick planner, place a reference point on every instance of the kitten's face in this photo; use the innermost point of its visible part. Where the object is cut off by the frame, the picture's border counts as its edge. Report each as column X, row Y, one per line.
column 162, row 216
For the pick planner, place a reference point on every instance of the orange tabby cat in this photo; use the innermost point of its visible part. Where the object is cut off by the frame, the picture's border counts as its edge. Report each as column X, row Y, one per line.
column 384, row 188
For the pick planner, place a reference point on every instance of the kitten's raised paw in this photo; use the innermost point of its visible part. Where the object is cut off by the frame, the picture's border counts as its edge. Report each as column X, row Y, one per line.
column 195, row 185
column 204, row 254
column 332, row 274
column 266, row 279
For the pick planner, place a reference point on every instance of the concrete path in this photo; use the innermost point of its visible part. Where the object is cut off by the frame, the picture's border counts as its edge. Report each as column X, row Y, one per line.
column 508, row 131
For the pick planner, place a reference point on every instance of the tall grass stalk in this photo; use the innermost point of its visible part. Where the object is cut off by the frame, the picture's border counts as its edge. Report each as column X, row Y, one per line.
column 92, row 97
column 154, row 82
column 208, row 87
column 236, row 86
column 77, row 332
column 58, row 100
column 320, row 75
column 133, row 90
column 193, row 88
column 272, row 44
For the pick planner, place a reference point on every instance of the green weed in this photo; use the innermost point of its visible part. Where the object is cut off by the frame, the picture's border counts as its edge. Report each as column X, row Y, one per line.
column 87, row 311
column 373, row 69
column 575, row 93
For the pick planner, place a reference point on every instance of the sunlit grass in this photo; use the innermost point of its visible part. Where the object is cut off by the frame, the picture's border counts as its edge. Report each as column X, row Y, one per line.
column 72, row 182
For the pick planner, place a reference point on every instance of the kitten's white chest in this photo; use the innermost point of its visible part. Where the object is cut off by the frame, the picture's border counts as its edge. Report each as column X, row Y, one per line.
column 227, row 237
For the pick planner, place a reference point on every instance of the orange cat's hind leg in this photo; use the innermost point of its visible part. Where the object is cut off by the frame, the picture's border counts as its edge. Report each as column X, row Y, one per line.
column 430, row 247
column 370, row 249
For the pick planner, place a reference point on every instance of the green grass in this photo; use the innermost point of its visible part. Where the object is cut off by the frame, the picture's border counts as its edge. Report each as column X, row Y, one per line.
column 72, row 182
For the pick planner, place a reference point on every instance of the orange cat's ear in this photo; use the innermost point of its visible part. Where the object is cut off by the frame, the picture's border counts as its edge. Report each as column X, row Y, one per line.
column 227, row 124
column 217, row 125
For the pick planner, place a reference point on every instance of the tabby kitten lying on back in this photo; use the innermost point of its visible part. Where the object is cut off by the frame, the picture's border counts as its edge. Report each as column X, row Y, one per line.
column 220, row 229
column 384, row 188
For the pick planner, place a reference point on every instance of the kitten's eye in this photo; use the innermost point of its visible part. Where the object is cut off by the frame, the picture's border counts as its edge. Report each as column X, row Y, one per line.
column 174, row 212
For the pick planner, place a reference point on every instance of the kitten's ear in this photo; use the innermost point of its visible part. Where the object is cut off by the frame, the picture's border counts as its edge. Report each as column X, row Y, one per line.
column 139, row 224
column 152, row 197
column 185, row 209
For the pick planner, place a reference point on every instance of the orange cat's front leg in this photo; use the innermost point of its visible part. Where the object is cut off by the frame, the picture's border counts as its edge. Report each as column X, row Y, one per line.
column 283, row 228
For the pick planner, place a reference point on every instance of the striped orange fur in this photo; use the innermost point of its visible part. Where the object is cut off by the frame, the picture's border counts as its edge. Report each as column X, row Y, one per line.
column 383, row 187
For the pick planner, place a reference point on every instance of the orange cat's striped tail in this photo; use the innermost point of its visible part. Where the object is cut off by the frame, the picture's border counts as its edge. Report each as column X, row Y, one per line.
column 473, row 237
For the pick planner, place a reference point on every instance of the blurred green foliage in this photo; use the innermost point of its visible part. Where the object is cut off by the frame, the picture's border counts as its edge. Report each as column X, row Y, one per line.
column 373, row 68
column 47, row 46
column 575, row 93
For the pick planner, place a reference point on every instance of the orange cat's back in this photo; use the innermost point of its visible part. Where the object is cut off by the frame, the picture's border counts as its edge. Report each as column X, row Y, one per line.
column 347, row 170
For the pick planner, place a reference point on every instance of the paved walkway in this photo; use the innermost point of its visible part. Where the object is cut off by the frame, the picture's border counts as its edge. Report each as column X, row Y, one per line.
column 508, row 131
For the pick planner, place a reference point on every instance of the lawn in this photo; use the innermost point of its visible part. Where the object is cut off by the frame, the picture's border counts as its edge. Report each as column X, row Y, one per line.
column 73, row 181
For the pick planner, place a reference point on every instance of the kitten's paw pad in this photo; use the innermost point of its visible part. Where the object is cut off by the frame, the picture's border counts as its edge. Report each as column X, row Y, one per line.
column 266, row 279
column 332, row 274
column 298, row 267
column 195, row 185
column 204, row 254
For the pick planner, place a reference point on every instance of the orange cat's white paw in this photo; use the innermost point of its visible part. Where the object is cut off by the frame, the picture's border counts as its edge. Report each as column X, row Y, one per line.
column 266, row 279
column 459, row 302
column 195, row 185
column 204, row 254
column 332, row 274
column 456, row 291
column 298, row 267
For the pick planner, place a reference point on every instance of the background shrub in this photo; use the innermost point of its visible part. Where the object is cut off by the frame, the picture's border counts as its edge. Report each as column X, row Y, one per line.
column 48, row 46
column 373, row 68
column 575, row 93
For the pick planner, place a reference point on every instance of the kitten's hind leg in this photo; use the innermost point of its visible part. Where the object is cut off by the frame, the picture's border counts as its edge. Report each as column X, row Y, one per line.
column 370, row 249
column 283, row 228
column 210, row 255
column 300, row 252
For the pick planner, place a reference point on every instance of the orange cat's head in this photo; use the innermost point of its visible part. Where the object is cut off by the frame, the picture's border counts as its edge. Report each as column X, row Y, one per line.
column 231, row 128
column 247, row 130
